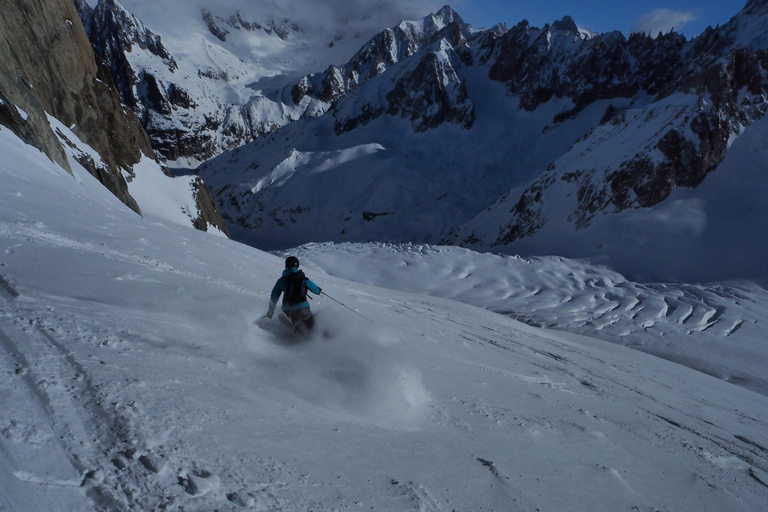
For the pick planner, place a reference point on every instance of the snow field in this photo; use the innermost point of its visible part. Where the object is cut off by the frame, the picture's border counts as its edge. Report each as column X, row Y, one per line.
column 716, row 328
column 133, row 377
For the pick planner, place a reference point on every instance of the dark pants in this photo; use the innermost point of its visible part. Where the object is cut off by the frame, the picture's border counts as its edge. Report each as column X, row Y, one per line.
column 301, row 315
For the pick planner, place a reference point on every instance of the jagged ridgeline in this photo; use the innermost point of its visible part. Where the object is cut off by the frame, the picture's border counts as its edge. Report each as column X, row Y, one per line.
column 218, row 83
column 520, row 139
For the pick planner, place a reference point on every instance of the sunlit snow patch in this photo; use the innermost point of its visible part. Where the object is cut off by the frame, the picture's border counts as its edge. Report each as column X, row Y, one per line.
column 314, row 162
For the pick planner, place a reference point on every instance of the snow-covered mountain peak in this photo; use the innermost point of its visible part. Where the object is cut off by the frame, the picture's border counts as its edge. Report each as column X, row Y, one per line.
column 223, row 73
column 429, row 45
column 118, row 32
column 221, row 26
column 408, row 37
column 433, row 23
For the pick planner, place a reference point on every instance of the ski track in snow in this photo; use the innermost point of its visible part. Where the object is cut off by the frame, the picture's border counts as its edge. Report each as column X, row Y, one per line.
column 125, row 466
column 68, row 406
column 38, row 234
column 71, row 408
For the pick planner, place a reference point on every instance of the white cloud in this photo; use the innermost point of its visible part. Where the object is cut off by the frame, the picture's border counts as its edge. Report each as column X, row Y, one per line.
column 376, row 13
column 663, row 20
column 678, row 217
column 178, row 18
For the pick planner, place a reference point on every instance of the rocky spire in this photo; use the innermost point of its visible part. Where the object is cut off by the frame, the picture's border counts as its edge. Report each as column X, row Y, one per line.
column 567, row 24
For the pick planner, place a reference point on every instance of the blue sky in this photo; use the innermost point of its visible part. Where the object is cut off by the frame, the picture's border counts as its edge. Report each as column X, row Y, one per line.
column 689, row 17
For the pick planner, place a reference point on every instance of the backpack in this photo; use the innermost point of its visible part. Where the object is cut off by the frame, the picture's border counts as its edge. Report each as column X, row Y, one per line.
column 295, row 288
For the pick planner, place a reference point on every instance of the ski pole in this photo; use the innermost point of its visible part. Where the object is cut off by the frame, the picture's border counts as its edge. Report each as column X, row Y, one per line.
column 344, row 305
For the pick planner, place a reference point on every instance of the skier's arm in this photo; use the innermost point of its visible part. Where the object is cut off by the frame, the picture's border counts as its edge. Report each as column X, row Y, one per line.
column 313, row 287
column 277, row 290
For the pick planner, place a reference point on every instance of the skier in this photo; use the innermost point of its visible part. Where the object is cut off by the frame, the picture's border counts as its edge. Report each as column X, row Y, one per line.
column 294, row 285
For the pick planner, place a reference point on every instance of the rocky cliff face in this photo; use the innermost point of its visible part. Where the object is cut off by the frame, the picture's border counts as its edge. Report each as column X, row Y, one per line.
column 116, row 34
column 118, row 31
column 429, row 90
column 47, row 66
column 383, row 51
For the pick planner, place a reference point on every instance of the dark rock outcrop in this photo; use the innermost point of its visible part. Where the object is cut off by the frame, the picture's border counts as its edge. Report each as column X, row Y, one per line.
column 113, row 33
column 208, row 212
column 383, row 51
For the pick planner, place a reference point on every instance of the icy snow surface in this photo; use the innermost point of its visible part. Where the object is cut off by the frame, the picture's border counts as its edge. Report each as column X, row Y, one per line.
column 133, row 377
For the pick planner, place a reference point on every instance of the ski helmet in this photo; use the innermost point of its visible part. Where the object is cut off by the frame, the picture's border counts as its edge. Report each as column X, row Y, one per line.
column 291, row 262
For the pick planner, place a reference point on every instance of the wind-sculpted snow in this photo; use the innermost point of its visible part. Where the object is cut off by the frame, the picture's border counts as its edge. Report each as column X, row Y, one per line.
column 716, row 328
column 136, row 373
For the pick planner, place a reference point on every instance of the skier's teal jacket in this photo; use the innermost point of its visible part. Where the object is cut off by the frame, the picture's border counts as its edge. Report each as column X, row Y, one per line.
column 280, row 287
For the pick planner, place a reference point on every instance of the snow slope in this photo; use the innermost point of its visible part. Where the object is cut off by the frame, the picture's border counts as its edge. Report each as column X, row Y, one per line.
column 715, row 231
column 717, row 328
column 172, row 199
column 132, row 377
